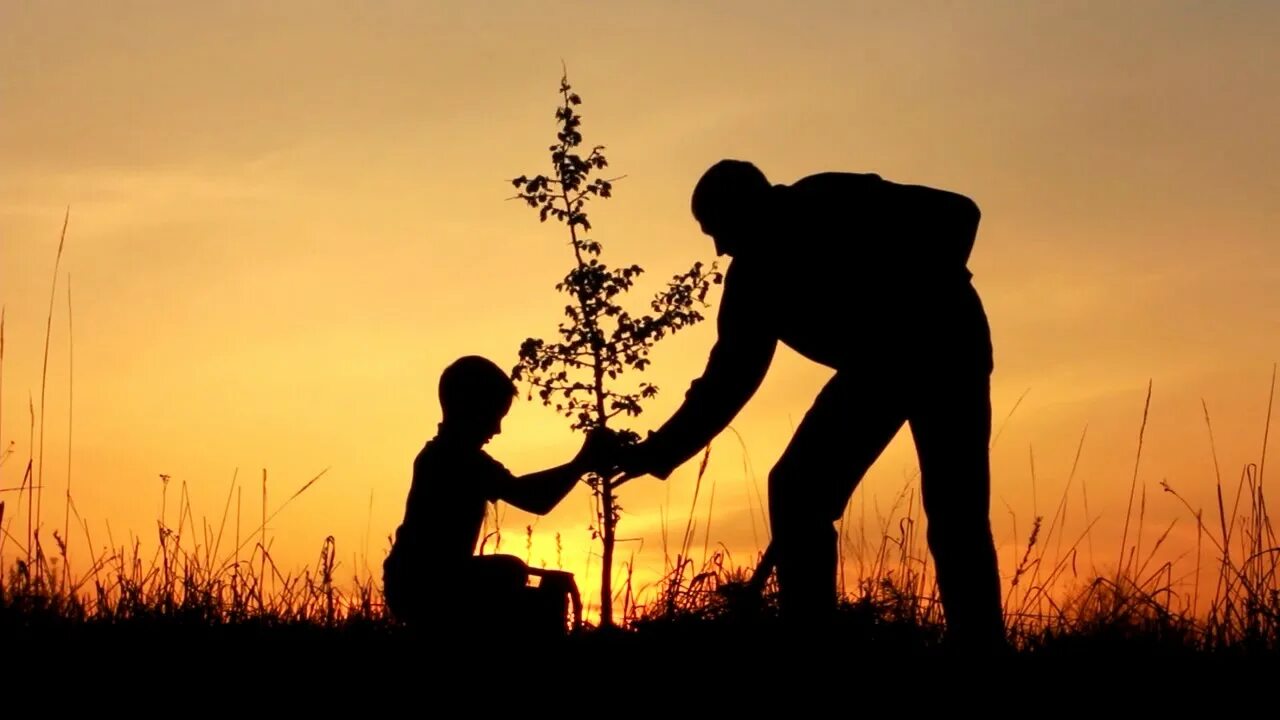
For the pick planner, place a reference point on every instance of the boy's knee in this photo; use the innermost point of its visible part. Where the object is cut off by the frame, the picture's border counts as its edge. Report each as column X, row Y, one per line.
column 502, row 571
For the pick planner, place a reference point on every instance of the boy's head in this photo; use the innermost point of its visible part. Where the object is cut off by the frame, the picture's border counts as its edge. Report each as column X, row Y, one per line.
column 475, row 394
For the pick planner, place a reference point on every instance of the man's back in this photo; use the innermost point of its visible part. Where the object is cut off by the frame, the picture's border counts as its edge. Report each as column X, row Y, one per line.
column 855, row 266
column 889, row 231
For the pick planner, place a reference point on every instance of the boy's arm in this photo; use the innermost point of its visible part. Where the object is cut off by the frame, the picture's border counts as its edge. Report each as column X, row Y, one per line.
column 539, row 492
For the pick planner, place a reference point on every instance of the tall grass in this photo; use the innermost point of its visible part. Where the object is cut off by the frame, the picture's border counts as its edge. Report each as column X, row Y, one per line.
column 217, row 574
column 190, row 575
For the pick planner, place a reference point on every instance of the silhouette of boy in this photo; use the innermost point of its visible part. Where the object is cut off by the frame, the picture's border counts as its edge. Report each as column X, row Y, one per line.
column 431, row 573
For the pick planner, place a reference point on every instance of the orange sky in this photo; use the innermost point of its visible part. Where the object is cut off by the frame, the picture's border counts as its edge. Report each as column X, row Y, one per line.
column 286, row 220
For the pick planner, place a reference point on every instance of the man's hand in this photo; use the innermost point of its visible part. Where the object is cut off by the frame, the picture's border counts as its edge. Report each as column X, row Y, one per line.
column 634, row 461
column 600, row 452
column 613, row 455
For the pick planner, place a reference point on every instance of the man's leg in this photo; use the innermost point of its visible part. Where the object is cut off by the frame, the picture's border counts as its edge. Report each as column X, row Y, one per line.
column 950, row 419
column 849, row 425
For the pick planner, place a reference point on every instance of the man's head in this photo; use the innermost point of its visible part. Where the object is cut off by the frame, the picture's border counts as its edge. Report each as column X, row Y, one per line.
column 475, row 394
column 730, row 203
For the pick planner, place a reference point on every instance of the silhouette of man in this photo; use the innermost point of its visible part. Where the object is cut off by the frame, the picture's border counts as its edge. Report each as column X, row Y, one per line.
column 867, row 277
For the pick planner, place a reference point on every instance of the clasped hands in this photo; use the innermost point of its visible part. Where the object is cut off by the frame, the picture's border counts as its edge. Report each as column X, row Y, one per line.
column 614, row 455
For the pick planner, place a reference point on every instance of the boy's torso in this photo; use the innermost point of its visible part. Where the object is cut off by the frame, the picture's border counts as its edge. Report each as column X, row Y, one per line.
column 445, row 510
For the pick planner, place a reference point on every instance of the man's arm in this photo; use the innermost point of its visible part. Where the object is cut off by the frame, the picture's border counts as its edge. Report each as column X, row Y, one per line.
column 744, row 349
